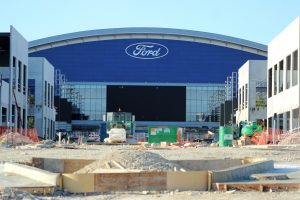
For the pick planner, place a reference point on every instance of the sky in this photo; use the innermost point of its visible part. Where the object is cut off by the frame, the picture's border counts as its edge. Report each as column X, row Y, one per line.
column 256, row 20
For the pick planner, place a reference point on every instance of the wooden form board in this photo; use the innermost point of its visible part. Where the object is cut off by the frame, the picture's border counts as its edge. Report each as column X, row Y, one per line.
column 130, row 181
column 37, row 190
column 194, row 180
column 251, row 186
column 78, row 183
column 135, row 181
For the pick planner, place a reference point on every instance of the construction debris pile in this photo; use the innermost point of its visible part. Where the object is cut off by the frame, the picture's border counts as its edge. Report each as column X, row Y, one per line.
column 138, row 160
column 15, row 138
column 291, row 139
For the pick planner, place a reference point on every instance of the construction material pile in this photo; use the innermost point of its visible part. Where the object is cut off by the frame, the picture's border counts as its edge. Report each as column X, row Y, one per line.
column 10, row 193
column 293, row 138
column 15, row 138
column 137, row 160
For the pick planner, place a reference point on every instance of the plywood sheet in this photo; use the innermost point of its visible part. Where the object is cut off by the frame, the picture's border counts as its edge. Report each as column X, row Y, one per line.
column 78, row 183
column 191, row 180
column 130, row 181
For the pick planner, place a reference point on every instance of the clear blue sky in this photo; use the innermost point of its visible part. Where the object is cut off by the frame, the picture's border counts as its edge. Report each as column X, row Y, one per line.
column 255, row 20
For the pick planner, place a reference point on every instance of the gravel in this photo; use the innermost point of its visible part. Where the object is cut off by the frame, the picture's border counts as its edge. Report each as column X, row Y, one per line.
column 9, row 193
column 139, row 160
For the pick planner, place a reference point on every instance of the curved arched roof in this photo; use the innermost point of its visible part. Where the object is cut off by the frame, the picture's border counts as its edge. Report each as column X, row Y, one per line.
column 166, row 33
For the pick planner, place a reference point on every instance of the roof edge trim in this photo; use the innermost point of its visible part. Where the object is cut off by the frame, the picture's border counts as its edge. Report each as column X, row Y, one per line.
column 147, row 30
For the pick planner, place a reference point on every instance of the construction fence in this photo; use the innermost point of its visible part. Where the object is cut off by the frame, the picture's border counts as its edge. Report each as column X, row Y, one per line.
column 273, row 136
column 18, row 136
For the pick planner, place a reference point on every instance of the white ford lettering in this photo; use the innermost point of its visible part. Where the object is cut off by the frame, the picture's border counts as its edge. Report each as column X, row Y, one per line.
column 147, row 50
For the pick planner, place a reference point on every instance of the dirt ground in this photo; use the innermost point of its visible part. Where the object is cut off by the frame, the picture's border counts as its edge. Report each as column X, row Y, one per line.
column 277, row 153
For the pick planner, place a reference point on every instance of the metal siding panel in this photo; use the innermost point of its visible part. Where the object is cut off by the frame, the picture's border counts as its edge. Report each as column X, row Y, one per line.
column 186, row 62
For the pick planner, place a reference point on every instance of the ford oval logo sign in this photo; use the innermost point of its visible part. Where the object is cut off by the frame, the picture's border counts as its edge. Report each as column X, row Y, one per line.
column 147, row 50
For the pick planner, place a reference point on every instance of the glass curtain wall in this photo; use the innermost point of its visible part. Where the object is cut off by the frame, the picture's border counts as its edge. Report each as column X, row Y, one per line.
column 203, row 102
column 87, row 98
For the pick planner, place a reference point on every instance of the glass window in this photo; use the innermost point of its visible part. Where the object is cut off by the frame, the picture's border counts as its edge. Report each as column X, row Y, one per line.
column 13, row 114
column 45, row 93
column 188, row 106
column 295, row 120
column 193, row 105
column 52, row 96
column 193, row 93
column 199, row 106
column 19, row 75
column 243, row 97
column 270, row 122
column 4, row 115
column 295, row 68
column 193, row 117
column 48, row 96
column 275, row 80
column 270, row 83
column 288, row 115
column 93, row 92
column 24, row 78
column 280, row 76
column 205, row 106
column 240, row 100
column 288, row 72
column 14, row 61
column 188, row 93
column 246, row 96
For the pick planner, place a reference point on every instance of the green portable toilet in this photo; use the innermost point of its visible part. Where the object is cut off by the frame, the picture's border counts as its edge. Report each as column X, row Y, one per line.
column 225, row 136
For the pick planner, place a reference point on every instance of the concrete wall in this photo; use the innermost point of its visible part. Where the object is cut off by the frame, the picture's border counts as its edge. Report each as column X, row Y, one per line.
column 19, row 50
column 200, row 178
column 252, row 74
column 41, row 70
column 60, row 165
column 215, row 164
column 280, row 47
column 241, row 172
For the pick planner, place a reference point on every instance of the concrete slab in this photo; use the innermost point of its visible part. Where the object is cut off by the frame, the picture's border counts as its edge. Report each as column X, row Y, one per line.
column 15, row 180
column 32, row 173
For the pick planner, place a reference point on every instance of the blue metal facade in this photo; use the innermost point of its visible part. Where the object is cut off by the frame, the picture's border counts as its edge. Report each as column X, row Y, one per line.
column 185, row 62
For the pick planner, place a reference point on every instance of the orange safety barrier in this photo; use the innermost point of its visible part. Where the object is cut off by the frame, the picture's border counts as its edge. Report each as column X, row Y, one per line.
column 269, row 136
column 29, row 133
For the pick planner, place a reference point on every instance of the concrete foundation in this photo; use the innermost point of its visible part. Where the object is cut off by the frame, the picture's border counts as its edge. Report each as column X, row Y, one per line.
column 201, row 175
